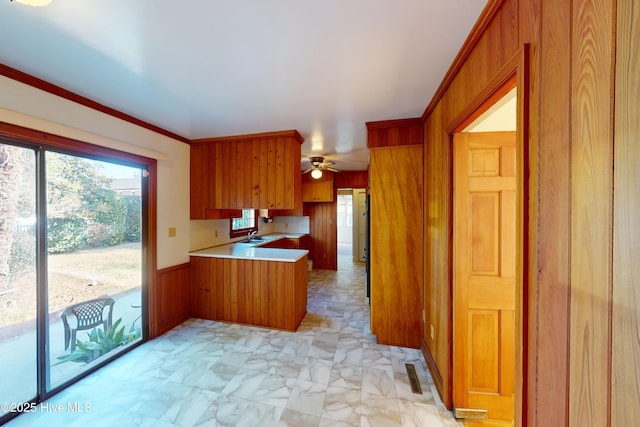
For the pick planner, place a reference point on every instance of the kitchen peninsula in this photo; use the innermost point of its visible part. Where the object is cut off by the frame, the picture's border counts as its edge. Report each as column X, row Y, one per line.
column 246, row 283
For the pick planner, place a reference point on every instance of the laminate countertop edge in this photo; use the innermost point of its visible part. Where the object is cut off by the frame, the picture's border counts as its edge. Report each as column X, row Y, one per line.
column 254, row 252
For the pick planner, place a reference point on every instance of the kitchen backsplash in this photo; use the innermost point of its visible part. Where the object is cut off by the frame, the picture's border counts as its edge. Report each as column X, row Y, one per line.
column 207, row 233
column 290, row 224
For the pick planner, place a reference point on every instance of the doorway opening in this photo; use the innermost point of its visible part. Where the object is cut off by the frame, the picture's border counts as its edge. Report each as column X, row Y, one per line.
column 487, row 249
column 352, row 226
column 345, row 223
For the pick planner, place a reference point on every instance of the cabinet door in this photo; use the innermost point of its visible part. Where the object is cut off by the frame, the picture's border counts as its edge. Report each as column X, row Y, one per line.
column 286, row 243
column 319, row 191
column 304, row 242
column 285, row 212
column 257, row 173
column 223, row 213
column 201, row 277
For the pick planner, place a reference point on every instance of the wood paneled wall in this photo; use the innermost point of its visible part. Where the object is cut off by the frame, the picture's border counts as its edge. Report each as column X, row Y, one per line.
column 170, row 299
column 625, row 369
column 581, row 321
column 323, row 231
column 494, row 45
column 396, row 244
column 591, row 195
column 352, row 179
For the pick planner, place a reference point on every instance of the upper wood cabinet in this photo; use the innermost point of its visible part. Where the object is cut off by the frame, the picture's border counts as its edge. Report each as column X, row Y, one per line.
column 203, row 188
column 258, row 171
column 318, row 190
column 321, row 191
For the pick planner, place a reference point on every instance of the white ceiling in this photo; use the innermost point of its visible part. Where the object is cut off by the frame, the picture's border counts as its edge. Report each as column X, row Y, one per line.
column 204, row 68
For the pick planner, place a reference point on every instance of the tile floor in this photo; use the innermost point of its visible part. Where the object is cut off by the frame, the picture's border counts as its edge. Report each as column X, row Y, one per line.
column 330, row 372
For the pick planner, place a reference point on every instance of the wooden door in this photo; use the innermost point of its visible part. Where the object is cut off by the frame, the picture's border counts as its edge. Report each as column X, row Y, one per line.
column 485, row 206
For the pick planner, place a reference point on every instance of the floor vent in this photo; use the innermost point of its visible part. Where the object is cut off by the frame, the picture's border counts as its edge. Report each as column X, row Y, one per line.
column 413, row 378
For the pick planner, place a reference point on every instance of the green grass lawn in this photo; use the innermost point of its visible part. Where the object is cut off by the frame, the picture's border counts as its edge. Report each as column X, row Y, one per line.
column 75, row 277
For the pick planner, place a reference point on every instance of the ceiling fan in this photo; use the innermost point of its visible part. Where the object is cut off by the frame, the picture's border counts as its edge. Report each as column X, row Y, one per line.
column 317, row 164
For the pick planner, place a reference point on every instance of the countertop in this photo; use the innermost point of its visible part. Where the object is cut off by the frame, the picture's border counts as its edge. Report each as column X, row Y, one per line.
column 254, row 251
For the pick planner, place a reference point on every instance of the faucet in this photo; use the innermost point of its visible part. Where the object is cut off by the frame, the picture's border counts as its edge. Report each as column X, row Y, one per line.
column 251, row 235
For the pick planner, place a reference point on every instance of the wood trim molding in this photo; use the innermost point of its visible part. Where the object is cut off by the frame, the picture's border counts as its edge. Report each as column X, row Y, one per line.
column 488, row 100
column 435, row 374
column 173, row 268
column 499, row 86
column 275, row 134
column 394, row 123
column 150, row 293
column 21, row 133
column 487, row 15
column 37, row 83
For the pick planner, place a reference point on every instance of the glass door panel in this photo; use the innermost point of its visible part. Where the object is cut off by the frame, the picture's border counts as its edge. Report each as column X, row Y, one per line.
column 94, row 262
column 18, row 366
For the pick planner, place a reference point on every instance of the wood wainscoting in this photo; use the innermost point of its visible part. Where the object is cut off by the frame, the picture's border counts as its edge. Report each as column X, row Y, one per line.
column 170, row 300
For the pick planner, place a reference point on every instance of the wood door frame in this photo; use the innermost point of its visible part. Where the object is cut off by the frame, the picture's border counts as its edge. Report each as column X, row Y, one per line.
column 514, row 74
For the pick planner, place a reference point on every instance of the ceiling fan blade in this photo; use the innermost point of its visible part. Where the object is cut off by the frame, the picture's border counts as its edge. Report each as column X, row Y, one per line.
column 331, row 169
column 307, row 171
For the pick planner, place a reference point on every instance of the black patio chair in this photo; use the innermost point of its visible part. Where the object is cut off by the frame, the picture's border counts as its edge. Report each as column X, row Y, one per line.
column 89, row 314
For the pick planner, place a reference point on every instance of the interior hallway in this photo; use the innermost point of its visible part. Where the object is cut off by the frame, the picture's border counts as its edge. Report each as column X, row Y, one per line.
column 329, row 373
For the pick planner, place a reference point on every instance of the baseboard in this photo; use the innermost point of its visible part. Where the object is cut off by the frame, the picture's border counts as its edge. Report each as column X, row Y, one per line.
column 437, row 378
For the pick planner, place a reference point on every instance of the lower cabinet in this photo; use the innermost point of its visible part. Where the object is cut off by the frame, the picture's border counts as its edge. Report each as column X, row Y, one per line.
column 289, row 243
column 285, row 243
column 262, row 293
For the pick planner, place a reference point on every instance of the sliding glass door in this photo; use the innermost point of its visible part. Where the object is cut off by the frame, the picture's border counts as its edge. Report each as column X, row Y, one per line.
column 71, row 267
column 18, row 277
column 94, row 262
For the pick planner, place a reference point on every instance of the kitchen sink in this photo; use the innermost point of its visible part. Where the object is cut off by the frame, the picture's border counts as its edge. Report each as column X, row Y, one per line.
column 260, row 240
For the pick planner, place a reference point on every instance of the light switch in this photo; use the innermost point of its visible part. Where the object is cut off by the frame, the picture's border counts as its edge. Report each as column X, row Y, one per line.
column 172, row 232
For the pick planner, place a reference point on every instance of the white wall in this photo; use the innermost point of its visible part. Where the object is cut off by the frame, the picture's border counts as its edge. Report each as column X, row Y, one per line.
column 26, row 106
column 291, row 224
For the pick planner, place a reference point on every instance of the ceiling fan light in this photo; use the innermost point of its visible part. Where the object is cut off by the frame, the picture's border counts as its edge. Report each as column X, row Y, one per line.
column 316, row 174
column 34, row 2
